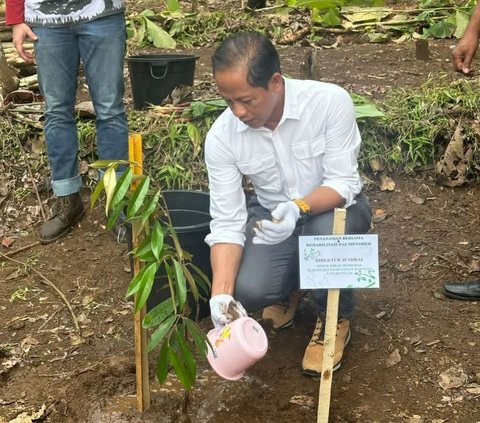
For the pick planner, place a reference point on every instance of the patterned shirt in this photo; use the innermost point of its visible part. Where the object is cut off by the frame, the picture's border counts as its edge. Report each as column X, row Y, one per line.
column 54, row 13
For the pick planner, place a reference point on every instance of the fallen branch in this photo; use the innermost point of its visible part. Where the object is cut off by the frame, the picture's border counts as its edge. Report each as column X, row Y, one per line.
column 320, row 30
column 26, row 247
column 51, row 285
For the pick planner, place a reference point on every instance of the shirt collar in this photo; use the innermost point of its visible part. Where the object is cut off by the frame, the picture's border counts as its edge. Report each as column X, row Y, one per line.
column 290, row 108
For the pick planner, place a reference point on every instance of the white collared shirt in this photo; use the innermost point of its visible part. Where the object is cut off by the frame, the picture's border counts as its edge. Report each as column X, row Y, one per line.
column 315, row 144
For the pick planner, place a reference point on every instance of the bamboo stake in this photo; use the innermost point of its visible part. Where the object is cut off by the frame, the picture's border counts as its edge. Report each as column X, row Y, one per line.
column 141, row 356
column 330, row 333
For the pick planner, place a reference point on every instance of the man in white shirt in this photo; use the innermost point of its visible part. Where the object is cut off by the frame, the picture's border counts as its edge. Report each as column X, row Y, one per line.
column 297, row 142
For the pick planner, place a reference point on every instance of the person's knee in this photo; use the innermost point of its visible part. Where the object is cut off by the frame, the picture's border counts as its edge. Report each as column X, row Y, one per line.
column 256, row 292
column 251, row 295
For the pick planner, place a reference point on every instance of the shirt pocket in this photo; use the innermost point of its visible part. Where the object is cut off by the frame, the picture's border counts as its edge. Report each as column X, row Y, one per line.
column 308, row 150
column 262, row 172
column 309, row 162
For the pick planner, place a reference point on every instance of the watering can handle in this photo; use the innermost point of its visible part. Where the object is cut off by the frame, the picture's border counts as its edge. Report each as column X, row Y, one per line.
column 158, row 77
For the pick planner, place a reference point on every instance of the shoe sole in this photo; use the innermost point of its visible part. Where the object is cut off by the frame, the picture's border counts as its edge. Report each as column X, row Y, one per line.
column 310, row 372
column 459, row 297
column 284, row 326
column 65, row 231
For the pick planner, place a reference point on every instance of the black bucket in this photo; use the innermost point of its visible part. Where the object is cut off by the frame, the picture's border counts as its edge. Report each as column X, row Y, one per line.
column 190, row 214
column 155, row 76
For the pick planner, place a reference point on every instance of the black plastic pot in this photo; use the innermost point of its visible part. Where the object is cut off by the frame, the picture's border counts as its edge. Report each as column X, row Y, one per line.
column 189, row 211
column 155, row 76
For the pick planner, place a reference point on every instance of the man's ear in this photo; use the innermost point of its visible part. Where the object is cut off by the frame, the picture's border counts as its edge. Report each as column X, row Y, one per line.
column 276, row 82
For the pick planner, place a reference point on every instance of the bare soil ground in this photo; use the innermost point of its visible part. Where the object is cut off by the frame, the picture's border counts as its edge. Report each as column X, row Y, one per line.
column 406, row 335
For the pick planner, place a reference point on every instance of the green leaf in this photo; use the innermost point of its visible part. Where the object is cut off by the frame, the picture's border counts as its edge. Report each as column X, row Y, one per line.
column 364, row 108
column 151, row 207
column 157, row 240
column 110, row 181
column 181, row 284
column 461, row 21
column 147, row 12
column 191, row 282
column 140, row 33
column 162, row 364
column 194, row 133
column 145, row 286
column 173, row 5
column 123, row 185
column 131, row 31
column 160, row 38
column 138, row 197
column 170, row 276
column 189, row 360
column 143, row 248
column 135, row 282
column 160, row 333
column 331, row 18
column 96, row 192
column 442, row 29
column 198, row 336
column 180, row 369
column 201, row 280
column 100, row 164
column 114, row 215
column 158, row 313
column 368, row 111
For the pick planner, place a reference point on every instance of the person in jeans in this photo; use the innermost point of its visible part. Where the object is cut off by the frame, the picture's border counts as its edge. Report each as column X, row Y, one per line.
column 297, row 141
column 64, row 34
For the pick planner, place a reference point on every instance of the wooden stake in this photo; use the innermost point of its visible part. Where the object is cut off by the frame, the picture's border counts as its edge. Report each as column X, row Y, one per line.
column 330, row 333
column 141, row 356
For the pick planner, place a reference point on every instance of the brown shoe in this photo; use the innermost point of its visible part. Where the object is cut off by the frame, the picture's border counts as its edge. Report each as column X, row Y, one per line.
column 313, row 358
column 282, row 315
column 67, row 211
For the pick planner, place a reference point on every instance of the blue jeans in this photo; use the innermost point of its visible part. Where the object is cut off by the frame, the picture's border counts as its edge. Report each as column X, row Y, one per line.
column 100, row 45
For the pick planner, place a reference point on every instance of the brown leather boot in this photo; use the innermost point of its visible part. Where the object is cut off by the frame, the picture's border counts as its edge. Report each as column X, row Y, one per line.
column 313, row 358
column 282, row 315
column 67, row 211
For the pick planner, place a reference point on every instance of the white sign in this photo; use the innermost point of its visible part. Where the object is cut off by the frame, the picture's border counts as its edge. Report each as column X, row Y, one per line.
column 339, row 261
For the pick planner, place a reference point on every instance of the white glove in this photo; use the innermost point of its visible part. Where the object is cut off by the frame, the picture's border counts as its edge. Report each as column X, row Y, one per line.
column 284, row 220
column 224, row 309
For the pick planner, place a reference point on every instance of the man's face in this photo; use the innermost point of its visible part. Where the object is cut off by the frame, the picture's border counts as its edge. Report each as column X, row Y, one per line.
column 254, row 106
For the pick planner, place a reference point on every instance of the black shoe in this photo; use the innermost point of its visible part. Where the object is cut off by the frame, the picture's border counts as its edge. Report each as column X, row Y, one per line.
column 463, row 291
column 68, row 210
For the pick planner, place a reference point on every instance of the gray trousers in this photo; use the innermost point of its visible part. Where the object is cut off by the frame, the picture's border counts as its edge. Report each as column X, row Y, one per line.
column 269, row 273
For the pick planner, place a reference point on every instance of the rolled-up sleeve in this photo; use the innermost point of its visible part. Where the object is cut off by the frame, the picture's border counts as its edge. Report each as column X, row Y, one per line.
column 14, row 12
column 227, row 199
column 342, row 145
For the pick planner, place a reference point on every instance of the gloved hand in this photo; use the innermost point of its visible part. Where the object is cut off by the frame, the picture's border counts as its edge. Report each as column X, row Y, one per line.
column 284, row 220
column 224, row 309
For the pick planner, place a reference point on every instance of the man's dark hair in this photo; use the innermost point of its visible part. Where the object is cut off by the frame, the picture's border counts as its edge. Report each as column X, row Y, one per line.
column 252, row 50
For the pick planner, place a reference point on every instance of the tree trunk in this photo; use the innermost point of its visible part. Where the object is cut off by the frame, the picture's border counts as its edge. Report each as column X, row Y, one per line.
column 8, row 80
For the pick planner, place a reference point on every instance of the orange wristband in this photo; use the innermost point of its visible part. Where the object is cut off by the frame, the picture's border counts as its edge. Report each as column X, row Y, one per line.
column 305, row 210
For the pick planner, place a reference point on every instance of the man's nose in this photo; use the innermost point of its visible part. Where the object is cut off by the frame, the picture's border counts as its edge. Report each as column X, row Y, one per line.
column 239, row 110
